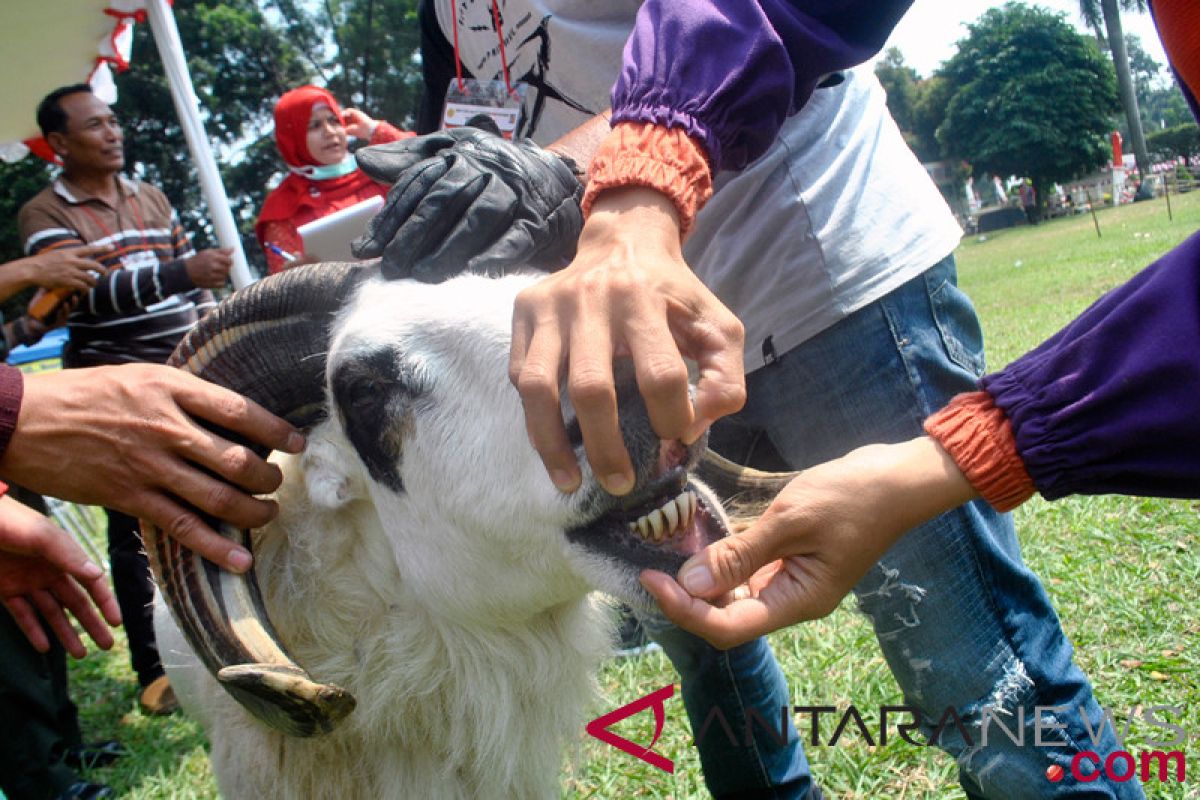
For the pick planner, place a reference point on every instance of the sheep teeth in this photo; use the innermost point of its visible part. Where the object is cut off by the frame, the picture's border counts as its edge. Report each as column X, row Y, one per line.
column 664, row 522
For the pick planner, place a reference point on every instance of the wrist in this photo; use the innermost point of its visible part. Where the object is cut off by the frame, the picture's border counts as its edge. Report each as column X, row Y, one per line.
column 655, row 157
column 634, row 212
column 903, row 485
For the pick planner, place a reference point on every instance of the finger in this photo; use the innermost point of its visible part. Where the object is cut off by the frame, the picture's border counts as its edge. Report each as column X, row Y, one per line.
column 27, row 620
column 482, row 223
column 60, row 550
column 76, row 600
column 90, row 251
column 232, row 411
column 387, row 163
column 403, row 199
column 104, row 599
column 186, row 527
column 714, row 338
column 52, row 612
column 217, row 498
column 662, row 375
column 234, row 462
column 593, row 394
column 734, row 624
column 731, row 561
column 446, row 223
column 537, row 381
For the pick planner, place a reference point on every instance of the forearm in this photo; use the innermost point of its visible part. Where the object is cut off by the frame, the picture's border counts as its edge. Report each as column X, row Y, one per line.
column 1106, row 405
column 580, row 145
column 15, row 276
column 126, row 290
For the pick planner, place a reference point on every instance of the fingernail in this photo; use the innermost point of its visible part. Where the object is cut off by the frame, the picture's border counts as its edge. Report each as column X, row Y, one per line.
column 564, row 480
column 697, row 579
column 90, row 571
column 618, row 483
column 295, row 442
column 238, row 560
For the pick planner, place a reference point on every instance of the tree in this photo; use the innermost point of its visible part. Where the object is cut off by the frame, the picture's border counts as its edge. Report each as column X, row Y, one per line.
column 1108, row 13
column 929, row 112
column 1181, row 141
column 374, row 59
column 242, row 55
column 1028, row 96
column 239, row 65
column 900, row 82
column 1160, row 102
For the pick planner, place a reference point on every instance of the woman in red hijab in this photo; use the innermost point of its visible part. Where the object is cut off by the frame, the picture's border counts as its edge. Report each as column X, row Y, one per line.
column 311, row 131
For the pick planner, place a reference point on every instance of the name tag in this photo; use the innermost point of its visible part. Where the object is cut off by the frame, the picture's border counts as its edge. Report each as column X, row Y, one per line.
column 490, row 98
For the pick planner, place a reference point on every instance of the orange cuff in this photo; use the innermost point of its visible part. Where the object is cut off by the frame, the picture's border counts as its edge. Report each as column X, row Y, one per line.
column 1179, row 28
column 978, row 436
column 664, row 159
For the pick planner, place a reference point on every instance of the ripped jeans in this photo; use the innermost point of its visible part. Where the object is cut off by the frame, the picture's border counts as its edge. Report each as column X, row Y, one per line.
column 961, row 620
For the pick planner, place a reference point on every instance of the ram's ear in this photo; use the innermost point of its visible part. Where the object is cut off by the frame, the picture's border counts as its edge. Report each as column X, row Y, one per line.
column 267, row 342
column 331, row 471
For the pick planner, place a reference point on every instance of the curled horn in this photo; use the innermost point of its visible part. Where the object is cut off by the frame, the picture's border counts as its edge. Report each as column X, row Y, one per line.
column 746, row 490
column 267, row 342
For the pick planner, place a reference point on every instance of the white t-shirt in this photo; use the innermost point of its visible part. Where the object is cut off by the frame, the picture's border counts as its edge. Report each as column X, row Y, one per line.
column 836, row 214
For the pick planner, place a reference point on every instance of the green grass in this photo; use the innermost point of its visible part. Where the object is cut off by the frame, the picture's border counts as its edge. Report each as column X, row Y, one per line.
column 1123, row 573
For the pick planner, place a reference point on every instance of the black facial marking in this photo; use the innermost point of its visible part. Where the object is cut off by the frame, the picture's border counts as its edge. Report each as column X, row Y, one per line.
column 374, row 393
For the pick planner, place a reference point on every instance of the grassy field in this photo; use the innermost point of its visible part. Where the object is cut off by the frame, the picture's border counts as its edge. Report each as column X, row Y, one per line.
column 1123, row 574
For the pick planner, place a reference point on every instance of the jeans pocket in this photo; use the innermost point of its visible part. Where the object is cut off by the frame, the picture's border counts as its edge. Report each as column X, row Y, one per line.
column 956, row 321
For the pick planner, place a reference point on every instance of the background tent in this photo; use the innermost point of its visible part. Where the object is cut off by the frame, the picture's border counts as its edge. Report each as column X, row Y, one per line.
column 49, row 43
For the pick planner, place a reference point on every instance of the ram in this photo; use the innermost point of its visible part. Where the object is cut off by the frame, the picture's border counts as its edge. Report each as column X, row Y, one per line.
column 437, row 589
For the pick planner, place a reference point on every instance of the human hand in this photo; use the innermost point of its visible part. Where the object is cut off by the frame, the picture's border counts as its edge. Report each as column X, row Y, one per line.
column 74, row 268
column 469, row 200
column 628, row 293
column 209, row 269
column 128, row 437
column 43, row 571
column 812, row 545
column 358, row 124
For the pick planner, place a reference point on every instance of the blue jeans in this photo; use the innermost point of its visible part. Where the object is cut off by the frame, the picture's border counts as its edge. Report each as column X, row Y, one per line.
column 961, row 620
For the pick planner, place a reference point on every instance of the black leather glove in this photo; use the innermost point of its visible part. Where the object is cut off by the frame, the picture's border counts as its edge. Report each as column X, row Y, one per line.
column 466, row 200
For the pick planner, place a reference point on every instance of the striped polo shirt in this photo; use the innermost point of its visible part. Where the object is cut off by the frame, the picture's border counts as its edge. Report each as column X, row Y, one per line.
column 141, row 310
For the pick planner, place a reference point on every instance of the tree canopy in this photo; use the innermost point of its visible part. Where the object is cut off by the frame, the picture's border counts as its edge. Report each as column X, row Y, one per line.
column 242, row 55
column 1029, row 96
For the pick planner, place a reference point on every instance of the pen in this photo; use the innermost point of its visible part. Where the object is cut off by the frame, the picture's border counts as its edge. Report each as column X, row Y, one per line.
column 279, row 251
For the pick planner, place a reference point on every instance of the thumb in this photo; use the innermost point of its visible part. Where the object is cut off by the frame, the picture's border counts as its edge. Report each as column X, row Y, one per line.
column 730, row 562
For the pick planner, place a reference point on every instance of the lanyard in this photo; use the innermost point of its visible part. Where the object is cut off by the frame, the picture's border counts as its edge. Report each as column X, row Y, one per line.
column 499, row 35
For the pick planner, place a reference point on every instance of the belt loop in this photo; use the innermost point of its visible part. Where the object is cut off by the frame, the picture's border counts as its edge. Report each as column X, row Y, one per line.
column 768, row 351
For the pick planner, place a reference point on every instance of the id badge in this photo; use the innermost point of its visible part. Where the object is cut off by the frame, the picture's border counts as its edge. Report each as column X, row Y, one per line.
column 490, row 98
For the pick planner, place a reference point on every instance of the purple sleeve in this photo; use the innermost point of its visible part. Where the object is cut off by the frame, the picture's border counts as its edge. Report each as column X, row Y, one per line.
column 730, row 73
column 1111, row 403
column 12, row 389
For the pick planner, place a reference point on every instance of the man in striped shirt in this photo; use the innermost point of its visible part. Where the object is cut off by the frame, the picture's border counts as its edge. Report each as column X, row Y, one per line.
column 157, row 289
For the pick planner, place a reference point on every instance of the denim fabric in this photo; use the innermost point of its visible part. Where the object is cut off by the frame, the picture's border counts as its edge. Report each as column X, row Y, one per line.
column 728, row 695
column 960, row 619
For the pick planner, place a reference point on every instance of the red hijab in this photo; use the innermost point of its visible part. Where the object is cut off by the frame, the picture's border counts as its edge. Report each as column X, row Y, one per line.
column 296, row 192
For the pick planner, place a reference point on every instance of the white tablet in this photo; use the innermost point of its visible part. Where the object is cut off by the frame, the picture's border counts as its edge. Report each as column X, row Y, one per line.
column 329, row 238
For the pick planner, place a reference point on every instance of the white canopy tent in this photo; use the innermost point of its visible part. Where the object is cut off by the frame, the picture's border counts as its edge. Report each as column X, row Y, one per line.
column 50, row 43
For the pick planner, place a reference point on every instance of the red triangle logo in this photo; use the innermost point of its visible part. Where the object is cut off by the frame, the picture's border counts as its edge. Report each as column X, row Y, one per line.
column 599, row 728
